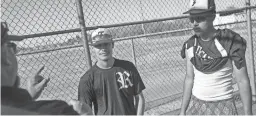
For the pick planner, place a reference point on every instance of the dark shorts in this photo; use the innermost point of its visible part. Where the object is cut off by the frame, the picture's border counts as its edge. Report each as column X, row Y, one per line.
column 221, row 107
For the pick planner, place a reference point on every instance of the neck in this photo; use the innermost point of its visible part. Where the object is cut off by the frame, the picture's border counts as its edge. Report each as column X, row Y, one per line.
column 105, row 64
column 209, row 34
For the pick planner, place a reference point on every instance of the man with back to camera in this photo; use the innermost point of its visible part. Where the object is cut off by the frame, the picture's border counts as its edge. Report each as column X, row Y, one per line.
column 213, row 56
column 18, row 101
column 113, row 86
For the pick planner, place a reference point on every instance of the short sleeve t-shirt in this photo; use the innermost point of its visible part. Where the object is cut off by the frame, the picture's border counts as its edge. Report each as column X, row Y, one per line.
column 111, row 90
column 212, row 63
column 210, row 57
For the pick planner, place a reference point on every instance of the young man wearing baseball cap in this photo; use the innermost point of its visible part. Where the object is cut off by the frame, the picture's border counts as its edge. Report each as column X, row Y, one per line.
column 18, row 101
column 213, row 56
column 113, row 86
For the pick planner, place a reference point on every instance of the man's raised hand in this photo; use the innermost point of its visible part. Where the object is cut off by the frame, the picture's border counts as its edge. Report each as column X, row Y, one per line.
column 36, row 84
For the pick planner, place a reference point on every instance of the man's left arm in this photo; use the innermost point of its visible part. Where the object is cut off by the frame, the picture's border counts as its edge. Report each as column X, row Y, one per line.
column 139, row 103
column 139, row 100
column 244, row 88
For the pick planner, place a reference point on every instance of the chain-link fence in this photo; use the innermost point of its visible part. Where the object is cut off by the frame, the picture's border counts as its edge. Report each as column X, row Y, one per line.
column 149, row 33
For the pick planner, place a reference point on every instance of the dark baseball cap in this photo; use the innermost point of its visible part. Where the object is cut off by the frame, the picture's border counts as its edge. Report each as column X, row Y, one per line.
column 197, row 7
column 100, row 36
column 4, row 34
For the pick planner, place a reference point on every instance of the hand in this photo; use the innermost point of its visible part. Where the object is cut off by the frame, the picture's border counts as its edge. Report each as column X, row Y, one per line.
column 36, row 84
column 253, row 99
column 80, row 107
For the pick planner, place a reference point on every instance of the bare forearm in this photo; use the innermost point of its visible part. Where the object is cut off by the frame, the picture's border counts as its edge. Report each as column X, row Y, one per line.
column 188, row 85
column 246, row 96
column 141, row 107
column 140, row 104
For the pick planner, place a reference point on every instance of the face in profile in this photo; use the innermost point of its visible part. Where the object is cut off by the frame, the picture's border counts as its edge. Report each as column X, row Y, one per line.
column 9, row 65
column 104, row 51
column 201, row 23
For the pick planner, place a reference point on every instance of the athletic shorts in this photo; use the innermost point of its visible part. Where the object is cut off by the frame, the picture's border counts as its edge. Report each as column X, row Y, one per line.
column 221, row 107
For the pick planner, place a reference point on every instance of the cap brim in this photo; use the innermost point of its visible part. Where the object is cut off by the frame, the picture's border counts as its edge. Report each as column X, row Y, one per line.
column 15, row 38
column 197, row 11
column 101, row 42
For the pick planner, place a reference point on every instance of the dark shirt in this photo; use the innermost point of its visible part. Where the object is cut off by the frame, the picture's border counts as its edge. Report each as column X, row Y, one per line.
column 20, row 98
column 111, row 90
column 212, row 55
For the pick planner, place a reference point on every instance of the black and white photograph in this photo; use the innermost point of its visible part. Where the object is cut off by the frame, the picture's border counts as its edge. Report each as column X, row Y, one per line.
column 128, row 57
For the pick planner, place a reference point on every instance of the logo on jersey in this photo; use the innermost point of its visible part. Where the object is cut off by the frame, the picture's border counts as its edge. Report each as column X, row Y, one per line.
column 124, row 79
column 201, row 53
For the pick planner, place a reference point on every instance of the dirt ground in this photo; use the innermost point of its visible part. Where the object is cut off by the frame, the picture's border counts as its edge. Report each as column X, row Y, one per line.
column 239, row 109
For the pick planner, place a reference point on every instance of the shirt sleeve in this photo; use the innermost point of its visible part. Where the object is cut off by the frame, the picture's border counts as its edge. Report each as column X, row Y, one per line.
column 237, row 51
column 85, row 91
column 186, row 45
column 138, row 83
column 183, row 51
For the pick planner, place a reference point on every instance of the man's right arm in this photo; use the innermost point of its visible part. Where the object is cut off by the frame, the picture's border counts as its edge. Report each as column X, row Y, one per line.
column 84, row 90
column 188, row 85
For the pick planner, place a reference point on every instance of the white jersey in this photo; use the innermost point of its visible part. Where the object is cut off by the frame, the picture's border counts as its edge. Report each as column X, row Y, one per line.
column 214, row 85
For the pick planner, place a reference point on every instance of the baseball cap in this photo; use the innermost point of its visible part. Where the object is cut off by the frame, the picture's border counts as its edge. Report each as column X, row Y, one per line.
column 99, row 36
column 200, row 7
column 4, row 32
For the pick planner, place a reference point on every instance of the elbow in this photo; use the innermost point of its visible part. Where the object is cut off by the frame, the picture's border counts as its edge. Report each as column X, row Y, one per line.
column 244, row 81
column 141, row 97
column 244, row 85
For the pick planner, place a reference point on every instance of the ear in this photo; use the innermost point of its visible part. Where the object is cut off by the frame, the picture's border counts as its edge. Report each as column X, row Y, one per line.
column 113, row 45
column 94, row 48
column 213, row 17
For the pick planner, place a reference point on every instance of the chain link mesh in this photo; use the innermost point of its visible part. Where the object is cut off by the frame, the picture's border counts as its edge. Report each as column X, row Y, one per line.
column 157, row 56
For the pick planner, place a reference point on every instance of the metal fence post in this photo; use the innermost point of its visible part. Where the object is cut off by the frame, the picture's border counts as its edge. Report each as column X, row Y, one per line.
column 250, row 46
column 83, row 30
column 133, row 54
column 142, row 18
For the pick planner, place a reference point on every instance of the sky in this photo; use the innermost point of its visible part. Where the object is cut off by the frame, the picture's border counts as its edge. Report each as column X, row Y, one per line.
column 39, row 16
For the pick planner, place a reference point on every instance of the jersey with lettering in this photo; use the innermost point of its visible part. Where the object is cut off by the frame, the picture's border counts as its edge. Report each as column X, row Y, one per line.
column 111, row 90
column 212, row 63
column 211, row 56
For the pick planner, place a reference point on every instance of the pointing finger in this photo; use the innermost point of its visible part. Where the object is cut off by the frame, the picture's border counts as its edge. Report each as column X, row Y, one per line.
column 40, row 70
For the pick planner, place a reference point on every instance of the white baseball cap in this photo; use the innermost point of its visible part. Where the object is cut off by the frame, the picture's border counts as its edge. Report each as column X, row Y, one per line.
column 100, row 35
column 201, row 6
